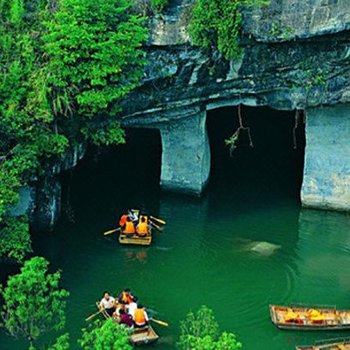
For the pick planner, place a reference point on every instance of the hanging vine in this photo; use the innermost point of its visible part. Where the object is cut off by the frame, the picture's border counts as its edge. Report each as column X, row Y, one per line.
column 231, row 142
column 299, row 118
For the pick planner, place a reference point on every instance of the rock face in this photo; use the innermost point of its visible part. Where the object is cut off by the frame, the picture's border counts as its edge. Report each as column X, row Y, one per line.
column 295, row 55
column 327, row 158
column 285, row 20
column 42, row 200
column 186, row 155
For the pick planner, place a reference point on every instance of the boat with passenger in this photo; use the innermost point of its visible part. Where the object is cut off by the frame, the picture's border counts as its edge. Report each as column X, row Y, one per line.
column 310, row 317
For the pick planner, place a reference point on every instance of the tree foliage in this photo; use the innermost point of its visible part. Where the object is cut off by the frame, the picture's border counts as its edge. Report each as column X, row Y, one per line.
column 216, row 24
column 105, row 335
column 65, row 66
column 33, row 301
column 15, row 239
column 200, row 331
column 159, row 5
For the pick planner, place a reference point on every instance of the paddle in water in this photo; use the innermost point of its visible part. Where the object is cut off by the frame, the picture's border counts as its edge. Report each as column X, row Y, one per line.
column 111, row 231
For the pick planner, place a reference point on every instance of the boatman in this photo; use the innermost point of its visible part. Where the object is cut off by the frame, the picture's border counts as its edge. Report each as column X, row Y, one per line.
column 140, row 317
column 142, row 227
column 107, row 303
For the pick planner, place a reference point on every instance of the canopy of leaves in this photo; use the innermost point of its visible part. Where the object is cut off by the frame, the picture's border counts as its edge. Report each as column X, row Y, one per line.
column 200, row 331
column 15, row 239
column 159, row 5
column 33, row 301
column 216, row 24
column 105, row 335
column 65, row 66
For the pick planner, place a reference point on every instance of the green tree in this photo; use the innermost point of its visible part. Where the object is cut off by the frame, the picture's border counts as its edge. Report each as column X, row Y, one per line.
column 94, row 57
column 200, row 331
column 159, row 5
column 105, row 335
column 33, row 301
column 65, row 65
column 62, row 343
column 15, row 239
column 216, row 24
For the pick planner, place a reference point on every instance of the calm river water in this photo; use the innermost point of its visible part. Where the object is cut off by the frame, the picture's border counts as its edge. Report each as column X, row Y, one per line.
column 210, row 252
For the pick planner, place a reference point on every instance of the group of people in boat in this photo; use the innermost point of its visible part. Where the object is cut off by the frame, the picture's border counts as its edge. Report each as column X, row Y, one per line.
column 135, row 223
column 125, row 309
column 312, row 315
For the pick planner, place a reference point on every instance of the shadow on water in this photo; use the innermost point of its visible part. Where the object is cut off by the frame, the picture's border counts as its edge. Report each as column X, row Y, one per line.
column 244, row 244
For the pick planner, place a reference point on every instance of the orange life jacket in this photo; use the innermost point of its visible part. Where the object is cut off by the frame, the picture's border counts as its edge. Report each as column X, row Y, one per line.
column 142, row 228
column 129, row 227
column 126, row 298
column 139, row 317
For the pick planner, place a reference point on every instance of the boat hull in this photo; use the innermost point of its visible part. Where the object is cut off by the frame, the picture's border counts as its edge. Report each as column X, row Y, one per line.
column 332, row 345
column 140, row 336
column 135, row 240
column 334, row 320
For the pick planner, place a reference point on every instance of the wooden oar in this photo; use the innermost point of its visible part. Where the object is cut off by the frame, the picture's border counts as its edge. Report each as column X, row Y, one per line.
column 159, row 220
column 111, row 231
column 156, row 226
column 161, row 323
column 93, row 315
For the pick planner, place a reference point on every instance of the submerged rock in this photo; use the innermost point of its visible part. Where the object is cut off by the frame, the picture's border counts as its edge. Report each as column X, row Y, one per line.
column 263, row 248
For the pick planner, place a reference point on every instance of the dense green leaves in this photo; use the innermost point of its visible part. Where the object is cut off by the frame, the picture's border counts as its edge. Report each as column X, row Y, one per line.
column 216, row 24
column 159, row 5
column 15, row 239
column 105, row 335
column 200, row 331
column 65, row 67
column 92, row 46
column 33, row 301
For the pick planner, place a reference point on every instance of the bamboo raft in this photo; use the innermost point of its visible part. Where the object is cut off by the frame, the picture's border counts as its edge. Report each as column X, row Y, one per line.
column 140, row 336
column 329, row 318
column 330, row 344
column 135, row 239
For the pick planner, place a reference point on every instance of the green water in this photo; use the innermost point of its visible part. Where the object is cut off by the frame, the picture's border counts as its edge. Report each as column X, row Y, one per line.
column 205, row 254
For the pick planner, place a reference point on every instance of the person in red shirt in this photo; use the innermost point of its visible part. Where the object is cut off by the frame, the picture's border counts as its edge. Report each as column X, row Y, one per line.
column 122, row 220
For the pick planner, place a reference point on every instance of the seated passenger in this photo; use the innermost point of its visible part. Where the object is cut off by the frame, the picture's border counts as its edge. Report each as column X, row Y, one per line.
column 140, row 317
column 125, row 297
column 129, row 227
column 132, row 307
column 291, row 316
column 142, row 227
column 108, row 303
column 125, row 318
column 122, row 220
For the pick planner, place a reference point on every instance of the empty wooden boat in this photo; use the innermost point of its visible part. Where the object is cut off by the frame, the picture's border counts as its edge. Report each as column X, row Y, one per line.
column 330, row 344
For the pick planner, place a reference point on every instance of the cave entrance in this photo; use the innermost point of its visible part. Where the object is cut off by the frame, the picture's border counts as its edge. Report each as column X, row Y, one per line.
column 272, row 169
column 109, row 180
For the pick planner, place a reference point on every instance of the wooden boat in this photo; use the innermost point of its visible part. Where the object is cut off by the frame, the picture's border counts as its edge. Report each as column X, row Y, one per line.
column 330, row 344
column 329, row 318
column 135, row 239
column 140, row 336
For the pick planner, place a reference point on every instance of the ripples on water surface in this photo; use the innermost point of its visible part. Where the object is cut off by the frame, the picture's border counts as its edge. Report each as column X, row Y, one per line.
column 245, row 244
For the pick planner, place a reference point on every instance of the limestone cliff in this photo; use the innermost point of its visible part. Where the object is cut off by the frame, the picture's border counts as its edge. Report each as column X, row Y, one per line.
column 295, row 55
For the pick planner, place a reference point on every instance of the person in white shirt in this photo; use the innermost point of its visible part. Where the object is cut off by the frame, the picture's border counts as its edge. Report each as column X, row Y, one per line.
column 108, row 303
column 132, row 307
